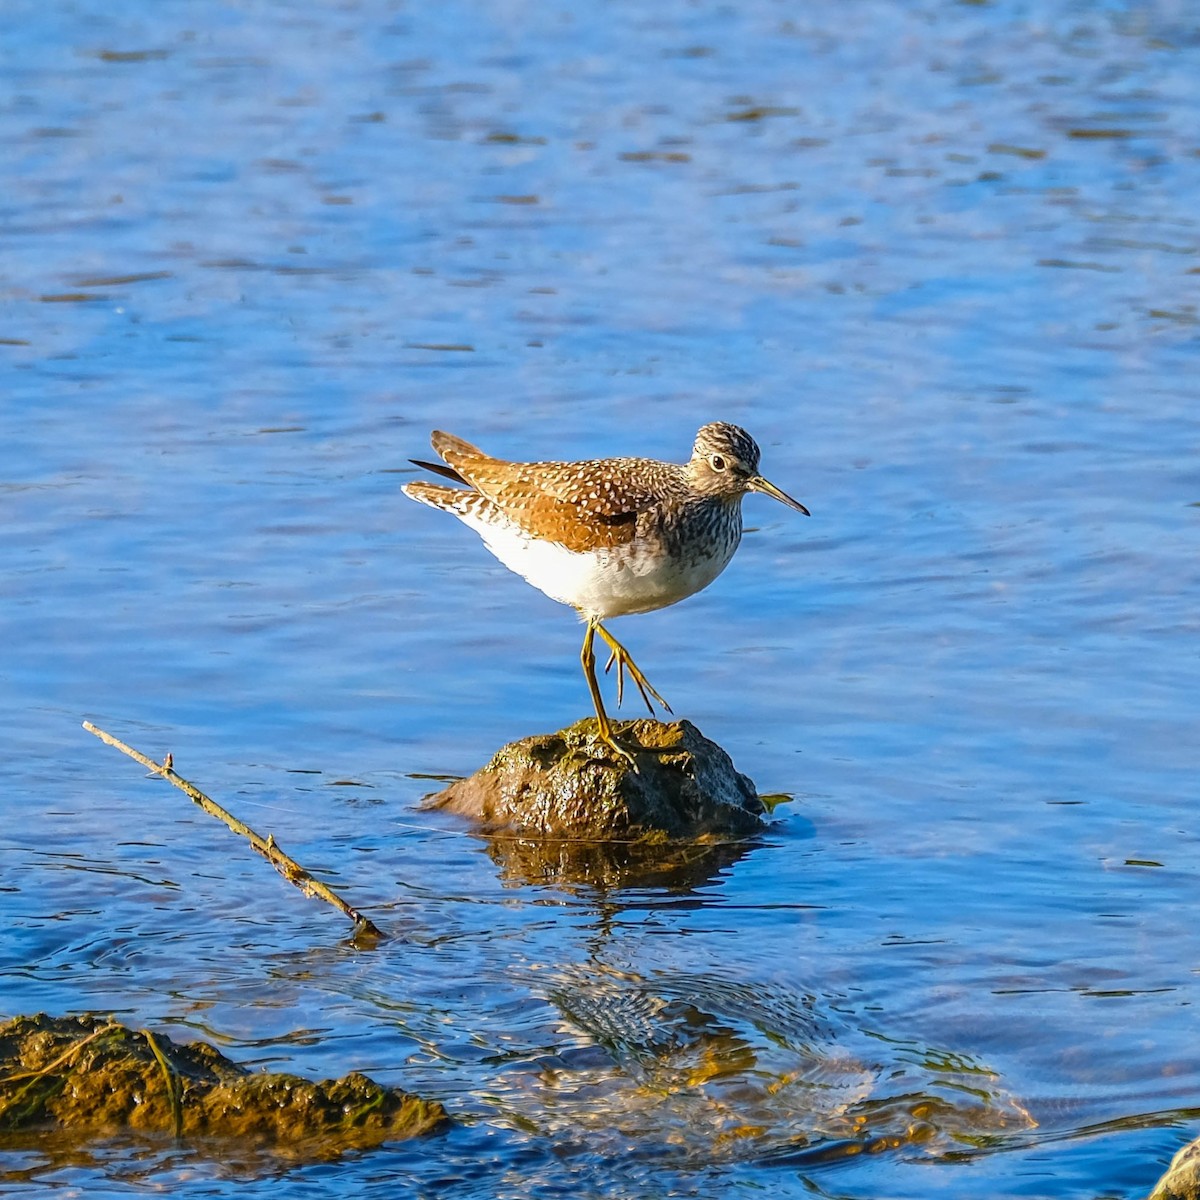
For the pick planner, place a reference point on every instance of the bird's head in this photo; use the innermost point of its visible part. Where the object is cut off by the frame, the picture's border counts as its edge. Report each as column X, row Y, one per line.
column 725, row 463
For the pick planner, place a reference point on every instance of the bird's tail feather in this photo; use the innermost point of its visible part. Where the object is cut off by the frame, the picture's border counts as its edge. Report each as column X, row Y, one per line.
column 454, row 449
column 435, row 495
column 438, row 469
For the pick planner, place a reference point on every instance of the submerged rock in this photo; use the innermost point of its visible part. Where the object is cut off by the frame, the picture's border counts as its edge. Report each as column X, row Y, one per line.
column 572, row 785
column 93, row 1077
column 1182, row 1178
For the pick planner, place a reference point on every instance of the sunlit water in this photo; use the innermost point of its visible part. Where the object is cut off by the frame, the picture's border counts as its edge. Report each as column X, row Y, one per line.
column 941, row 259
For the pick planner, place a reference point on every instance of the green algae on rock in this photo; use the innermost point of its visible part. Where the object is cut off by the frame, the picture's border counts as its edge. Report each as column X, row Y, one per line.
column 572, row 785
column 93, row 1077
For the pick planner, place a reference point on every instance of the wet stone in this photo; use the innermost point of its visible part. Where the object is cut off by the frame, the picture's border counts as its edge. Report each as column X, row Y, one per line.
column 1182, row 1178
column 571, row 785
column 91, row 1077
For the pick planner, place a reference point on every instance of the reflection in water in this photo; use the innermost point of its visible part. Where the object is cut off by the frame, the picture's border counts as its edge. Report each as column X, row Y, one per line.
column 713, row 1069
column 610, row 866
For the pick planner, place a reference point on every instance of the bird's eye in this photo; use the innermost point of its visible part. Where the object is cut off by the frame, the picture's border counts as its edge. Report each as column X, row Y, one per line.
column 717, row 462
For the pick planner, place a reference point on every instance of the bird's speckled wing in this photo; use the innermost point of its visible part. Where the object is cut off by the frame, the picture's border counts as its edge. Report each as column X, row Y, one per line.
column 582, row 505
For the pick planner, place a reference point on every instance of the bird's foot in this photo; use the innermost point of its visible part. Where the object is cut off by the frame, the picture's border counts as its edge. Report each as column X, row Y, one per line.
column 605, row 732
column 619, row 655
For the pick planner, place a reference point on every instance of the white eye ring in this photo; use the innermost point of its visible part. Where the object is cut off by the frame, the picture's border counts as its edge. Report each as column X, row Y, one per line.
column 717, row 462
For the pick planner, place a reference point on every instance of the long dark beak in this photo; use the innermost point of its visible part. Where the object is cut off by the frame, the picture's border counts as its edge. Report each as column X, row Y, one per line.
column 758, row 484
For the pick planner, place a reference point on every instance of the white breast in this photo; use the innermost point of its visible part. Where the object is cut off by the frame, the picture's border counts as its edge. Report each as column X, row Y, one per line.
column 602, row 583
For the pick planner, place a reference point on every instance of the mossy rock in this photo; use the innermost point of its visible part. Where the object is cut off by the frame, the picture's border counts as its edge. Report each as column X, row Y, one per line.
column 1182, row 1178
column 572, row 785
column 93, row 1077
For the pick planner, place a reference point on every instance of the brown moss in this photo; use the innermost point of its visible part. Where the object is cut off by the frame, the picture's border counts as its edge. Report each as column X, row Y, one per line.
column 96, row 1078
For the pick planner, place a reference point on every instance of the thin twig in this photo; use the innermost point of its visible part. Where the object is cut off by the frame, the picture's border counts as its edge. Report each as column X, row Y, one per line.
column 287, row 866
column 173, row 1082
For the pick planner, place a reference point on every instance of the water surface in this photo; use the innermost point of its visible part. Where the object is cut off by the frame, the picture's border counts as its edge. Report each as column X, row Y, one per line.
column 941, row 259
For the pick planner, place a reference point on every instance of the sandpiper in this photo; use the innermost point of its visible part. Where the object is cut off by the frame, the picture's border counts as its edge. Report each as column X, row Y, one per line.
column 609, row 536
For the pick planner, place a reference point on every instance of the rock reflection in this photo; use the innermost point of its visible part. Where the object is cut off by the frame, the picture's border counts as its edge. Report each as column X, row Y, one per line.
column 608, row 865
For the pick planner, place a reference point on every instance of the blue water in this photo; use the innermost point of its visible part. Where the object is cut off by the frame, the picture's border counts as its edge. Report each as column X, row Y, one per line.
column 942, row 260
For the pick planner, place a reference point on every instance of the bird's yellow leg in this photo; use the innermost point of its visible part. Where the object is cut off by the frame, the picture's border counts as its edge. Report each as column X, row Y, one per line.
column 624, row 662
column 587, row 657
